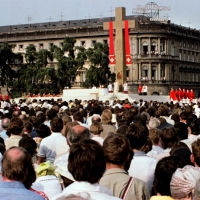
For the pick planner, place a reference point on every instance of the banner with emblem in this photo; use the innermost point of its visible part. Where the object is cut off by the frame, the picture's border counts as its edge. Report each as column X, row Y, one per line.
column 127, row 43
column 111, row 49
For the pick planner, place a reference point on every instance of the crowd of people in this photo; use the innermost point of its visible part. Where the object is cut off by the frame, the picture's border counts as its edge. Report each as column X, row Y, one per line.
column 95, row 150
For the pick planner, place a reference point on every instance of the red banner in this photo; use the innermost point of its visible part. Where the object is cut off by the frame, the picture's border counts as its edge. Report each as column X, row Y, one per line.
column 111, row 49
column 127, row 44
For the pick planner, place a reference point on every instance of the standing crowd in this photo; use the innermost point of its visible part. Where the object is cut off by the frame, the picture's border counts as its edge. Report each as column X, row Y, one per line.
column 94, row 150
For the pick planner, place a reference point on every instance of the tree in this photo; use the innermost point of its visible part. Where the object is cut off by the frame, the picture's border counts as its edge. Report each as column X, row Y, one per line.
column 8, row 59
column 98, row 58
column 69, row 58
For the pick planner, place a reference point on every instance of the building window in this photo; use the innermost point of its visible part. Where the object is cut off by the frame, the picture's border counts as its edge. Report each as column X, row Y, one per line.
column 144, row 73
column 162, row 72
column 145, row 48
column 180, row 44
column 41, row 46
column 153, row 73
column 82, row 43
column 184, row 44
column 105, row 41
column 21, row 47
column 188, row 56
column 50, row 45
column 153, row 48
column 196, row 46
column 172, row 49
column 192, row 46
column 188, row 45
column 93, row 42
column 180, row 55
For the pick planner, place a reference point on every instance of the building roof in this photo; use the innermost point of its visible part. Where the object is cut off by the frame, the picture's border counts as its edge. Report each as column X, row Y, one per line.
column 64, row 24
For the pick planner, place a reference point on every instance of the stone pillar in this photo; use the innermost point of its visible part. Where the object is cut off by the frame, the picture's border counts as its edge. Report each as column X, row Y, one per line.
column 158, row 46
column 139, row 45
column 149, row 50
column 158, row 72
column 139, row 70
column 149, row 72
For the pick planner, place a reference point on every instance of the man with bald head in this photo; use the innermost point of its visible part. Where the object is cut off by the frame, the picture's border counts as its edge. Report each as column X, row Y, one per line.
column 74, row 135
column 4, row 123
column 18, row 175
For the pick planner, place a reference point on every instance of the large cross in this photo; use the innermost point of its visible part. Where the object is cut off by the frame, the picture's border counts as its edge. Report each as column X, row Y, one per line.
column 118, row 25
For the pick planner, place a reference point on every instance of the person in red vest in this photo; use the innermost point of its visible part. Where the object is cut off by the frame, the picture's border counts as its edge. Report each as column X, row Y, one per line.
column 191, row 95
column 140, row 89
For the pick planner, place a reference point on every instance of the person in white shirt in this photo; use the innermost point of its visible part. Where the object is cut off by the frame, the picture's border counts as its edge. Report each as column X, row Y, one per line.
column 87, row 164
column 96, row 128
column 110, row 88
column 142, row 166
column 116, row 87
column 48, row 146
column 144, row 89
column 125, row 88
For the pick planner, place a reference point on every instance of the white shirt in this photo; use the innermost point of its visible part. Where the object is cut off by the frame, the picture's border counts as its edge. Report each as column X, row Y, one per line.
column 48, row 184
column 144, row 88
column 87, row 191
column 98, row 139
column 3, row 134
column 110, row 87
column 155, row 151
column 49, row 145
column 143, row 167
column 125, row 87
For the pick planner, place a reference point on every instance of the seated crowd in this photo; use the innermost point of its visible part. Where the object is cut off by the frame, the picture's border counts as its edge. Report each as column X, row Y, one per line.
column 94, row 150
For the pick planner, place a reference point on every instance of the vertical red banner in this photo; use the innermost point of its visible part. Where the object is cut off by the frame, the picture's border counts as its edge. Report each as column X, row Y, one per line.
column 111, row 49
column 127, row 44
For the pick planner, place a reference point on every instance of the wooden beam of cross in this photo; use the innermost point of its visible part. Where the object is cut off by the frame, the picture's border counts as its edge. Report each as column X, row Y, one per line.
column 118, row 25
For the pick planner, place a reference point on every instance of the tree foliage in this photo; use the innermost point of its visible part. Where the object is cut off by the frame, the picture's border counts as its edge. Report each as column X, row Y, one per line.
column 39, row 74
column 98, row 57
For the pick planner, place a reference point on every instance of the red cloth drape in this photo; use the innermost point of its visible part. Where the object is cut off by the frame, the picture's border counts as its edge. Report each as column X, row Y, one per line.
column 127, row 44
column 111, row 40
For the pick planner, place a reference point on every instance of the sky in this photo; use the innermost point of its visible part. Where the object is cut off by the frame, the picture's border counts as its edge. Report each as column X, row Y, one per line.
column 13, row 12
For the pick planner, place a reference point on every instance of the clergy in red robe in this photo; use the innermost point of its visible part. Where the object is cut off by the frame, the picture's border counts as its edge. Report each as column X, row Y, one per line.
column 140, row 89
column 172, row 95
column 184, row 94
column 180, row 92
column 1, row 97
column 191, row 94
column 177, row 94
column 187, row 94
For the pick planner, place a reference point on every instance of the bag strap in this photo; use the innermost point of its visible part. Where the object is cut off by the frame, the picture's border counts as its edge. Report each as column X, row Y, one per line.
column 127, row 188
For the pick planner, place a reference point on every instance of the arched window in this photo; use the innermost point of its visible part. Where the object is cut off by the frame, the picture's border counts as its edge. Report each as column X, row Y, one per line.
column 172, row 49
column 153, row 73
column 145, row 71
column 153, row 48
column 145, row 47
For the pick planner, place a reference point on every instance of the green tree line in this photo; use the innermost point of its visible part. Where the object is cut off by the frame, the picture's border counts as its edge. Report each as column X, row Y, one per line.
column 50, row 71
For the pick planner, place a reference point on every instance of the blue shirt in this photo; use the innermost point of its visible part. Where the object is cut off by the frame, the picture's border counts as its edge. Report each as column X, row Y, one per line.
column 15, row 190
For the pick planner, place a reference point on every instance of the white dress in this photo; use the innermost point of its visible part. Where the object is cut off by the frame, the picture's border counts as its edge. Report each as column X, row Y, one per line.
column 116, row 87
column 110, row 88
column 125, row 87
